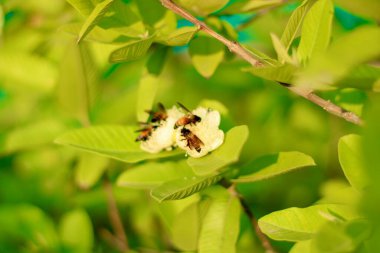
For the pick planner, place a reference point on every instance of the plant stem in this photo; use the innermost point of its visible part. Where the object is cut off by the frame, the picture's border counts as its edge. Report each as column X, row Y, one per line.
column 115, row 218
column 262, row 237
column 247, row 56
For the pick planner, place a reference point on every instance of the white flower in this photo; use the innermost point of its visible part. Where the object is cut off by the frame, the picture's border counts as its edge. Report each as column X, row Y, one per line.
column 207, row 131
column 163, row 136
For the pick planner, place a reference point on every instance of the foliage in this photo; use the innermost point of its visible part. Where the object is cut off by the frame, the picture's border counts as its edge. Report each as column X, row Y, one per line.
column 71, row 99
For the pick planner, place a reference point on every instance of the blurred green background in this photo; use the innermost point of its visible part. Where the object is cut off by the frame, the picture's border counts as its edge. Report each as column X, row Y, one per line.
column 42, row 193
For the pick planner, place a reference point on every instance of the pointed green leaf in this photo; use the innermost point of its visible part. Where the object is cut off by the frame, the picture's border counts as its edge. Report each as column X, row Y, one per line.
column 96, row 15
column 117, row 142
column 131, row 51
column 179, row 37
column 225, row 155
column 157, row 60
column 184, row 187
column 89, row 169
column 151, row 11
column 274, row 165
column 295, row 23
column 77, row 84
column 203, row 8
column 341, row 57
column 148, row 87
column 351, row 160
column 76, row 231
column 249, row 6
column 151, row 175
column 221, row 224
column 298, row 224
column 283, row 73
column 281, row 51
column 206, row 54
column 316, row 30
column 301, row 247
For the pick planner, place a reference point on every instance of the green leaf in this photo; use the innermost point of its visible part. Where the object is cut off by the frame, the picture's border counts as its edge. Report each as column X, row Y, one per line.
column 206, row 54
column 362, row 77
column 365, row 8
column 76, row 231
column 182, row 188
column 89, row 169
column 249, row 6
column 117, row 142
column 179, row 37
column 148, row 87
column 294, row 24
column 283, row 73
column 132, row 51
column 157, row 60
column 340, row 237
column 96, row 15
column 1, row 21
column 341, row 58
column 281, row 51
column 263, row 58
column 77, row 84
column 316, row 30
column 274, row 165
column 298, row 224
column 351, row 160
column 84, row 7
column 225, row 155
column 31, row 136
column 186, row 227
column 151, row 11
column 203, row 8
column 151, row 175
column 301, row 247
column 221, row 224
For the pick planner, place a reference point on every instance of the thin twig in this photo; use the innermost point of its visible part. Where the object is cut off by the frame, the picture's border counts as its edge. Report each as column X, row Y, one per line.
column 247, row 56
column 115, row 218
column 262, row 237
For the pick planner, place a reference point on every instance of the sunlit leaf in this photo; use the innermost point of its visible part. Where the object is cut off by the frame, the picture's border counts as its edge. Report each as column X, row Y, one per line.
column 117, row 142
column 249, row 6
column 351, row 160
column 76, row 231
column 281, row 51
column 301, row 247
column 203, row 8
column 1, row 20
column 77, row 84
column 132, row 51
column 206, row 54
column 186, row 228
column 84, row 7
column 298, row 224
column 179, row 37
column 89, row 169
column 148, row 87
column 362, row 77
column 151, row 175
column 92, row 20
column 341, row 57
column 151, row 11
column 294, row 24
column 221, row 224
column 274, row 165
column 283, row 73
column 226, row 154
column 316, row 30
column 184, row 187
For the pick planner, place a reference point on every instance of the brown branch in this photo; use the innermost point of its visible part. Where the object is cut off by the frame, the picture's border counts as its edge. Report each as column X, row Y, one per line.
column 262, row 237
column 115, row 219
column 247, row 56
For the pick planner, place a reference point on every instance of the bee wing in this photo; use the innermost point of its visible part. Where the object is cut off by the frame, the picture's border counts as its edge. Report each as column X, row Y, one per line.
column 183, row 107
column 161, row 107
column 141, row 130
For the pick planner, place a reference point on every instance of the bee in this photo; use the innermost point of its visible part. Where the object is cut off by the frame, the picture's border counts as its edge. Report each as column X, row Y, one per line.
column 145, row 132
column 193, row 142
column 189, row 118
column 159, row 115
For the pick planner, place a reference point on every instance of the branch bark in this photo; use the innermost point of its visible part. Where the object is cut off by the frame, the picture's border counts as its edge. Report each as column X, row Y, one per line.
column 239, row 50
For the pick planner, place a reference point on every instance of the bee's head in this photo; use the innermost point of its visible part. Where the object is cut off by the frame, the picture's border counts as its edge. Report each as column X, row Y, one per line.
column 185, row 131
